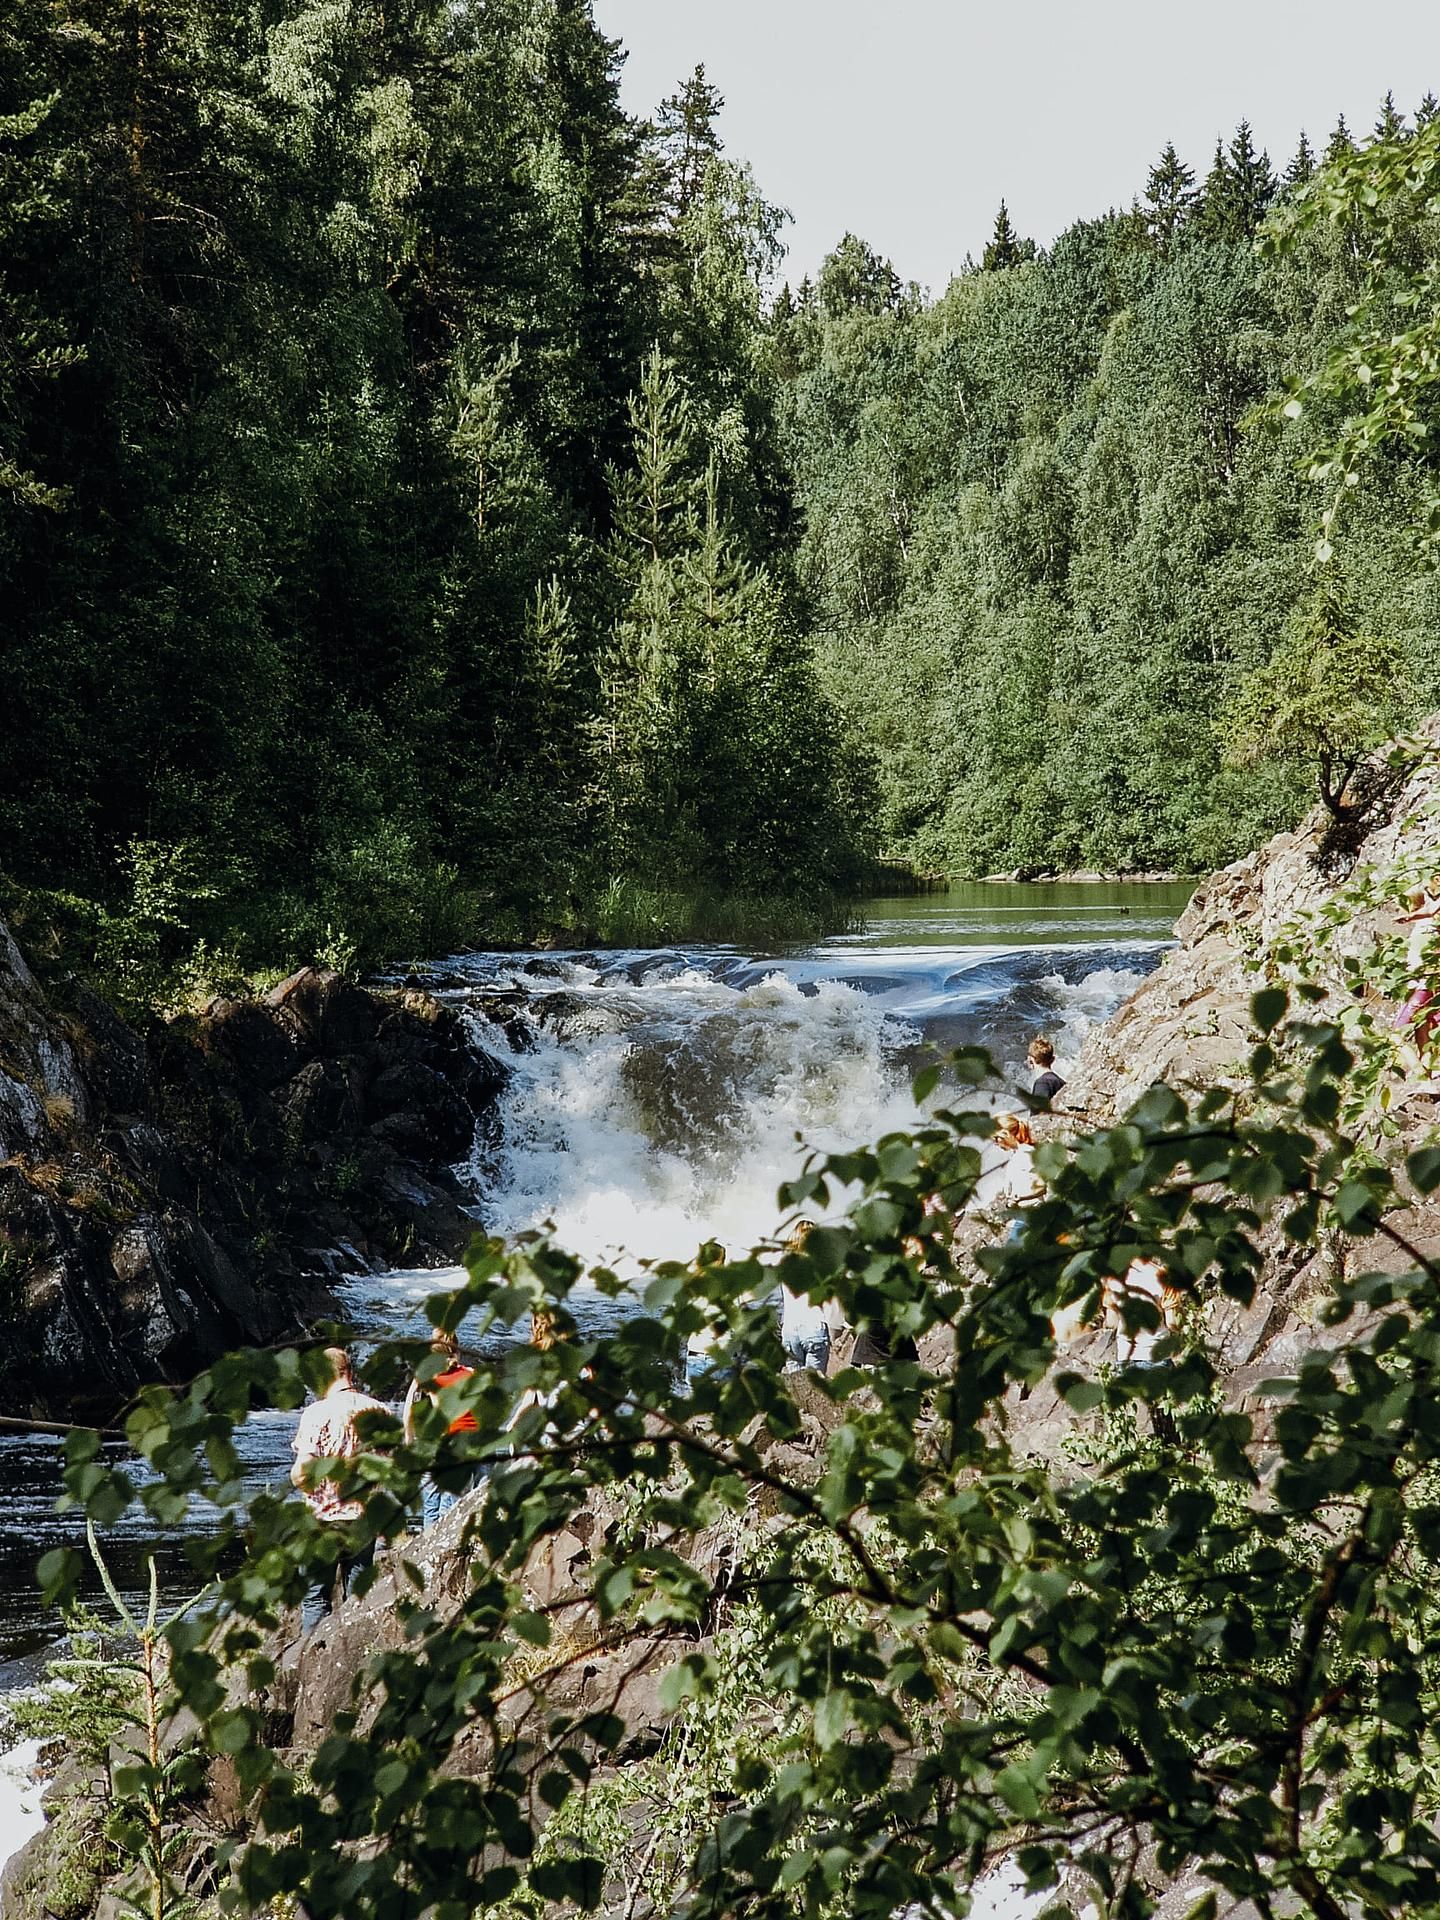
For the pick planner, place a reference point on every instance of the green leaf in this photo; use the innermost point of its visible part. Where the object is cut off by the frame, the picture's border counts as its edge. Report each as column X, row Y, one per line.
column 1269, row 1007
column 1423, row 1167
column 1016, row 1788
column 59, row 1575
column 921, row 1088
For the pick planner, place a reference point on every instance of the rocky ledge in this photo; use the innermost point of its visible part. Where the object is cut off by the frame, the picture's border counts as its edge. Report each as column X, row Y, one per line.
column 1189, row 1024
column 169, row 1195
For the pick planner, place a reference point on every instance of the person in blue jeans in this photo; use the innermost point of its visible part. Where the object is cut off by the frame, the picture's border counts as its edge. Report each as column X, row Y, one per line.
column 804, row 1324
column 804, row 1334
column 436, row 1502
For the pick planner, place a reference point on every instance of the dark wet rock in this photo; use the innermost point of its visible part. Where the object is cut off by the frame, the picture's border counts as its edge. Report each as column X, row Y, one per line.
column 169, row 1194
column 327, row 1013
column 420, row 1111
column 264, row 1050
column 582, row 1015
column 321, row 1103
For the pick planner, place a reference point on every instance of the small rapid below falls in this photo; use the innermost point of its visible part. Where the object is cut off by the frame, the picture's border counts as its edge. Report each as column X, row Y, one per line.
column 660, row 1097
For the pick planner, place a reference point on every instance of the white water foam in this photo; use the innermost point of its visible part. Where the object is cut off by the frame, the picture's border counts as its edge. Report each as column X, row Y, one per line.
column 648, row 1110
column 1081, row 1005
column 676, row 1111
column 21, row 1814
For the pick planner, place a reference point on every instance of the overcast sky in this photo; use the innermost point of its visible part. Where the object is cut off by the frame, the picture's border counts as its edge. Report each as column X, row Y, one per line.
column 905, row 121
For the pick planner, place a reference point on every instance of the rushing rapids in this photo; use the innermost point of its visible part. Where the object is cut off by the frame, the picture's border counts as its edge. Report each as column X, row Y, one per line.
column 658, row 1097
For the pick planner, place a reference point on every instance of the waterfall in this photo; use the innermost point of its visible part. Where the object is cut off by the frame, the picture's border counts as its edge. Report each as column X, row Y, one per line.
column 655, row 1100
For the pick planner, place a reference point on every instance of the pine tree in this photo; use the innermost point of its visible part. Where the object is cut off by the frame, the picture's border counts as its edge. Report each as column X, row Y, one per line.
column 1169, row 197
column 1302, row 167
column 1341, row 145
column 1006, row 248
column 1427, row 110
column 688, row 140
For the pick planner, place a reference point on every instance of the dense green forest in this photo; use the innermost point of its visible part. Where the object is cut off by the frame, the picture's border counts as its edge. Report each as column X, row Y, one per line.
column 1047, row 540
column 421, row 522
column 395, row 537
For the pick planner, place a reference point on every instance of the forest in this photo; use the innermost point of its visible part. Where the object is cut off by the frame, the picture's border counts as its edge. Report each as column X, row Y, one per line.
column 1051, row 535
column 426, row 517
column 396, row 542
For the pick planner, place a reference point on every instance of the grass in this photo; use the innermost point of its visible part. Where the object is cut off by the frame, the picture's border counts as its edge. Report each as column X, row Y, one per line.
column 629, row 914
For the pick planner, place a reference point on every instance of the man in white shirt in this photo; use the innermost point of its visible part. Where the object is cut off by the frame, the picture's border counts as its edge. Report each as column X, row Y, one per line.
column 329, row 1429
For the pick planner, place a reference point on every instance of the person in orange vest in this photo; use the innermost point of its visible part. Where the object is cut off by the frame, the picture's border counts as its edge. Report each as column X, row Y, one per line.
column 435, row 1501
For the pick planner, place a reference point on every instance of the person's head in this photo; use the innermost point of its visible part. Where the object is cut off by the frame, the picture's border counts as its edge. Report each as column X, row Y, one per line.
column 342, row 1370
column 446, row 1345
column 1011, row 1132
column 543, row 1330
column 1042, row 1054
column 798, row 1235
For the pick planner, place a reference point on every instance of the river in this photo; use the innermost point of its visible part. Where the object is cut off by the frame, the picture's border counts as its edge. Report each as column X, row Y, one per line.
column 659, row 1097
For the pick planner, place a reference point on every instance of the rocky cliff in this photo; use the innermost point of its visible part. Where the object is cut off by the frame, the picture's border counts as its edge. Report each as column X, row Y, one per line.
column 1324, row 901
column 168, row 1195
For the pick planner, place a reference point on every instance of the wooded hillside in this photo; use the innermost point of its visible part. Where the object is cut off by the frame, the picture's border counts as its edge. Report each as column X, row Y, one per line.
column 1047, row 538
column 422, row 523
column 394, row 534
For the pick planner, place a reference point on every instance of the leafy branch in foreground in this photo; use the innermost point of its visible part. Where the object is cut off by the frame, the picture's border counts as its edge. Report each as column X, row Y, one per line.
column 1221, row 1644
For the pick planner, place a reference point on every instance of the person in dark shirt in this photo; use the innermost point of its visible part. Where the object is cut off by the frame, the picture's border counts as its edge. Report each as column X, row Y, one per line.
column 1042, row 1056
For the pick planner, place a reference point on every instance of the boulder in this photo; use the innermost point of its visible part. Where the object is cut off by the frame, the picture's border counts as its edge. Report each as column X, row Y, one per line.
column 262, row 1047
column 326, row 1012
column 167, row 1195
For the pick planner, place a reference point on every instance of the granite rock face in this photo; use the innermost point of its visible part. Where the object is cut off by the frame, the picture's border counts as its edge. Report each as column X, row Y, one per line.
column 168, row 1195
column 1189, row 1025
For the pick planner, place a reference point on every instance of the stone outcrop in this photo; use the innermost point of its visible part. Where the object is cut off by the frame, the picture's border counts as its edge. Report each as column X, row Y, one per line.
column 168, row 1195
column 1189, row 1025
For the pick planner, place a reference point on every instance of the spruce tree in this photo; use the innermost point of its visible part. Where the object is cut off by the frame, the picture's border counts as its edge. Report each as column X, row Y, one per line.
column 1216, row 214
column 1006, row 248
column 1427, row 110
column 1341, row 146
column 854, row 277
column 1302, row 167
column 1169, row 197
column 1390, row 122
column 1254, row 181
column 1238, row 189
